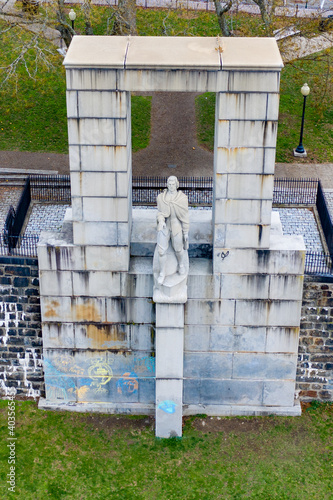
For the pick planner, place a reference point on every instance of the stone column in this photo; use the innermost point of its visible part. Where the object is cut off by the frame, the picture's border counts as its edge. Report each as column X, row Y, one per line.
column 99, row 128
column 244, row 159
column 169, row 369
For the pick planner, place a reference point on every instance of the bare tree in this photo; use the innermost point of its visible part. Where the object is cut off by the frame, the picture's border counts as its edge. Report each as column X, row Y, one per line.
column 267, row 8
column 124, row 18
column 221, row 8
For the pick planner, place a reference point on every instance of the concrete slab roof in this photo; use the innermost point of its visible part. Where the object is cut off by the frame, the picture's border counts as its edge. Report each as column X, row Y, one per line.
column 182, row 53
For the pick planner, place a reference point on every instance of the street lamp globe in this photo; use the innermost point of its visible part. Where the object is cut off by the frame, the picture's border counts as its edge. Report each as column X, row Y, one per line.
column 72, row 15
column 305, row 90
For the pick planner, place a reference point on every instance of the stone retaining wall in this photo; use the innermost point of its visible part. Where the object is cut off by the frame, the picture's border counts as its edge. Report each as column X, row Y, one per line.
column 315, row 363
column 21, row 341
column 20, row 328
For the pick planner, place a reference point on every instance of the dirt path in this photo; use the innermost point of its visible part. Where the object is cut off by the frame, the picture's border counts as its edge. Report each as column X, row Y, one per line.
column 173, row 147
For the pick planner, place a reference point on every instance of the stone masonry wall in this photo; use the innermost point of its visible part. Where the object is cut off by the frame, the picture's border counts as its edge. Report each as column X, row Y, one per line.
column 315, row 361
column 21, row 341
column 20, row 328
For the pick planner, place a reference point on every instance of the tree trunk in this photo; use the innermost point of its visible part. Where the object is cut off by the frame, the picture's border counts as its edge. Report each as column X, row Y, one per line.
column 266, row 11
column 62, row 25
column 125, row 18
column 86, row 9
column 220, row 11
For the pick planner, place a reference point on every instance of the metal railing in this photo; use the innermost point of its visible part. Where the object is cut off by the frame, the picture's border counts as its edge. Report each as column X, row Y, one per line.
column 295, row 191
column 325, row 218
column 198, row 189
column 318, row 263
column 54, row 188
column 50, row 188
column 22, row 246
column 15, row 218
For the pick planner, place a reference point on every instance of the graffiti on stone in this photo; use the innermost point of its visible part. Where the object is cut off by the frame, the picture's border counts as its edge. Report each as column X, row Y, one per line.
column 128, row 384
column 167, row 406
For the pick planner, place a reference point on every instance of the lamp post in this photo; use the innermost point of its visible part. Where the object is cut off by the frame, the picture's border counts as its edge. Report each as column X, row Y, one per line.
column 300, row 151
column 72, row 17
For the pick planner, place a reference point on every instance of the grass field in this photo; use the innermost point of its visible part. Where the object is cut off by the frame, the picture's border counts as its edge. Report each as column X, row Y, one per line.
column 61, row 455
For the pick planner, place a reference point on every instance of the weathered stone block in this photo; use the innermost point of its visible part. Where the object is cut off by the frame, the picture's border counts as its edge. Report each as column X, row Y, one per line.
column 95, row 233
column 261, row 313
column 250, row 187
column 106, row 158
column 247, row 236
column 101, row 104
column 137, row 285
column 243, row 106
column 209, row 312
column 207, row 365
column 241, row 160
column 248, row 286
column 142, row 337
column 56, row 283
column 102, row 336
column 96, row 284
column 169, row 405
column 279, row 393
column 57, row 335
column 169, row 316
column 98, row 258
column 169, row 352
column 286, row 287
column 91, row 79
column 96, row 184
column 282, row 340
column 105, row 209
column 264, row 366
column 248, row 81
column 203, row 285
column 231, row 211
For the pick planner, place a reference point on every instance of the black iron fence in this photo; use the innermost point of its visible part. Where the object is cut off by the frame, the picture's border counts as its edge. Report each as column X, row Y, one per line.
column 22, row 246
column 318, row 263
column 295, row 191
column 325, row 218
column 56, row 189
column 198, row 189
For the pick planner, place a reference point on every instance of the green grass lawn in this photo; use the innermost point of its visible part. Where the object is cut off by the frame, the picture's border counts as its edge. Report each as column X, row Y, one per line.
column 62, row 455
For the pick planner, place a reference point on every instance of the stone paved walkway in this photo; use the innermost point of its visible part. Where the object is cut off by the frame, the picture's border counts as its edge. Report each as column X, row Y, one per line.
column 45, row 217
column 301, row 221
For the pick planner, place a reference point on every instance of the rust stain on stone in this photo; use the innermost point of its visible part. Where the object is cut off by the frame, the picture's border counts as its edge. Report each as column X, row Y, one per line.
column 86, row 312
column 102, row 335
column 51, row 309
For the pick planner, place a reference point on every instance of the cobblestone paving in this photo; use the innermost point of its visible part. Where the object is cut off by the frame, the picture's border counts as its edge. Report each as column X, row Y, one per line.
column 301, row 221
column 9, row 195
column 45, row 217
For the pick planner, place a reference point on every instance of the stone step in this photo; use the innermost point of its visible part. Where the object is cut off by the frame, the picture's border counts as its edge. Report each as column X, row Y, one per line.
column 17, row 176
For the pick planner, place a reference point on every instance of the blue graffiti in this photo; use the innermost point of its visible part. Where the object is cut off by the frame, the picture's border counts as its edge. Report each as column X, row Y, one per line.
column 128, row 383
column 167, row 406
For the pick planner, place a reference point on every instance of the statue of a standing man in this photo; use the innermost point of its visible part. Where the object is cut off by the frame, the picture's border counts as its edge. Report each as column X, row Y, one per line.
column 172, row 223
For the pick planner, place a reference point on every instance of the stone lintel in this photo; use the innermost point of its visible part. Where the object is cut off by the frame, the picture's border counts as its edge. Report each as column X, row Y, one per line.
column 197, row 53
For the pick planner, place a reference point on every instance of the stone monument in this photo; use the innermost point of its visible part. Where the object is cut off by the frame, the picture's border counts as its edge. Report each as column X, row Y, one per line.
column 231, row 347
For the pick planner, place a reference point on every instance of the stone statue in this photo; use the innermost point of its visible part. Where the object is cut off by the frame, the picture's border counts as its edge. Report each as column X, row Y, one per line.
column 171, row 256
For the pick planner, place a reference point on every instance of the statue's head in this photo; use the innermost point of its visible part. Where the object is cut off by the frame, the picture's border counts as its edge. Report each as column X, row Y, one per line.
column 172, row 181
